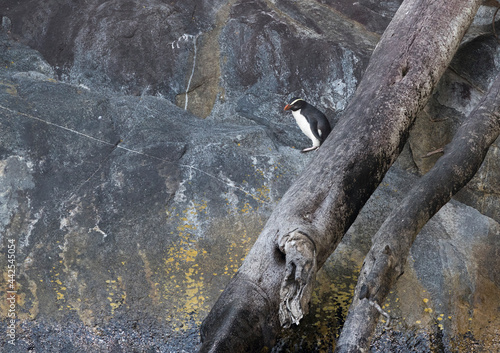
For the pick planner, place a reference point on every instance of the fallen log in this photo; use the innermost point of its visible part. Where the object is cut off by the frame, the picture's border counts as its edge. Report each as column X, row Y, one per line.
column 274, row 284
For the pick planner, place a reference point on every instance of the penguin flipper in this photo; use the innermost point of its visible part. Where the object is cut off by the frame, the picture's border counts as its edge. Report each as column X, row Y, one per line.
column 313, row 123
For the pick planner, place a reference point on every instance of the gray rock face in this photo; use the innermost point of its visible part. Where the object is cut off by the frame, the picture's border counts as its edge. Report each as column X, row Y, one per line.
column 211, row 50
column 130, row 213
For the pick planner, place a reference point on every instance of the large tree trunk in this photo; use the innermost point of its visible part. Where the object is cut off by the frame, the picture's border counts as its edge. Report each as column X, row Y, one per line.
column 391, row 245
column 273, row 286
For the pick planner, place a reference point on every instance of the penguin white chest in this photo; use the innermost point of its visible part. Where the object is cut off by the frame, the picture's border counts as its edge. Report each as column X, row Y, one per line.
column 305, row 127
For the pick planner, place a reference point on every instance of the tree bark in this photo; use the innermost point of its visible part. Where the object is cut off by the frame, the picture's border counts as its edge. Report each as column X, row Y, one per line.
column 273, row 286
column 391, row 245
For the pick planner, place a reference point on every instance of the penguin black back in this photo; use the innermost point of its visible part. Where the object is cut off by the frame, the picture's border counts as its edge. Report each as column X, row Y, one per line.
column 311, row 121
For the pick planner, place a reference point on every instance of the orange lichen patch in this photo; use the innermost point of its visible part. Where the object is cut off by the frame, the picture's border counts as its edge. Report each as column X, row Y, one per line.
column 200, row 262
column 9, row 87
column 116, row 293
column 332, row 295
column 205, row 255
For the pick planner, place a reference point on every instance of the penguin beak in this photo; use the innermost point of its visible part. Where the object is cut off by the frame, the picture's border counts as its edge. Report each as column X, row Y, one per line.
column 287, row 107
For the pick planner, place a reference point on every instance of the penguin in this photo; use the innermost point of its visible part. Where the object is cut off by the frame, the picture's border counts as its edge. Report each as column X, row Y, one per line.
column 311, row 121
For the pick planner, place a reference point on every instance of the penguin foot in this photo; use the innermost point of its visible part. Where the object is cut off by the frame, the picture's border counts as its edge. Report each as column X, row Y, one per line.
column 313, row 148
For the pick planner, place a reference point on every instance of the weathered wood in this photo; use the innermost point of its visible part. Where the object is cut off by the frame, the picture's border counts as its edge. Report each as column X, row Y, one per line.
column 314, row 214
column 384, row 263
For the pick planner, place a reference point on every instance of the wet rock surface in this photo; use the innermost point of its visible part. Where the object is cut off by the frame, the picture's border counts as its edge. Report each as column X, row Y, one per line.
column 143, row 146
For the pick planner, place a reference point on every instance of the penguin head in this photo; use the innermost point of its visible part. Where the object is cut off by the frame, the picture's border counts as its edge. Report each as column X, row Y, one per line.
column 295, row 104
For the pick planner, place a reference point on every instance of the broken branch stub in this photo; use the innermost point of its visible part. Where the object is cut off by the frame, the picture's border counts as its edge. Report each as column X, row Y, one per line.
column 297, row 285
